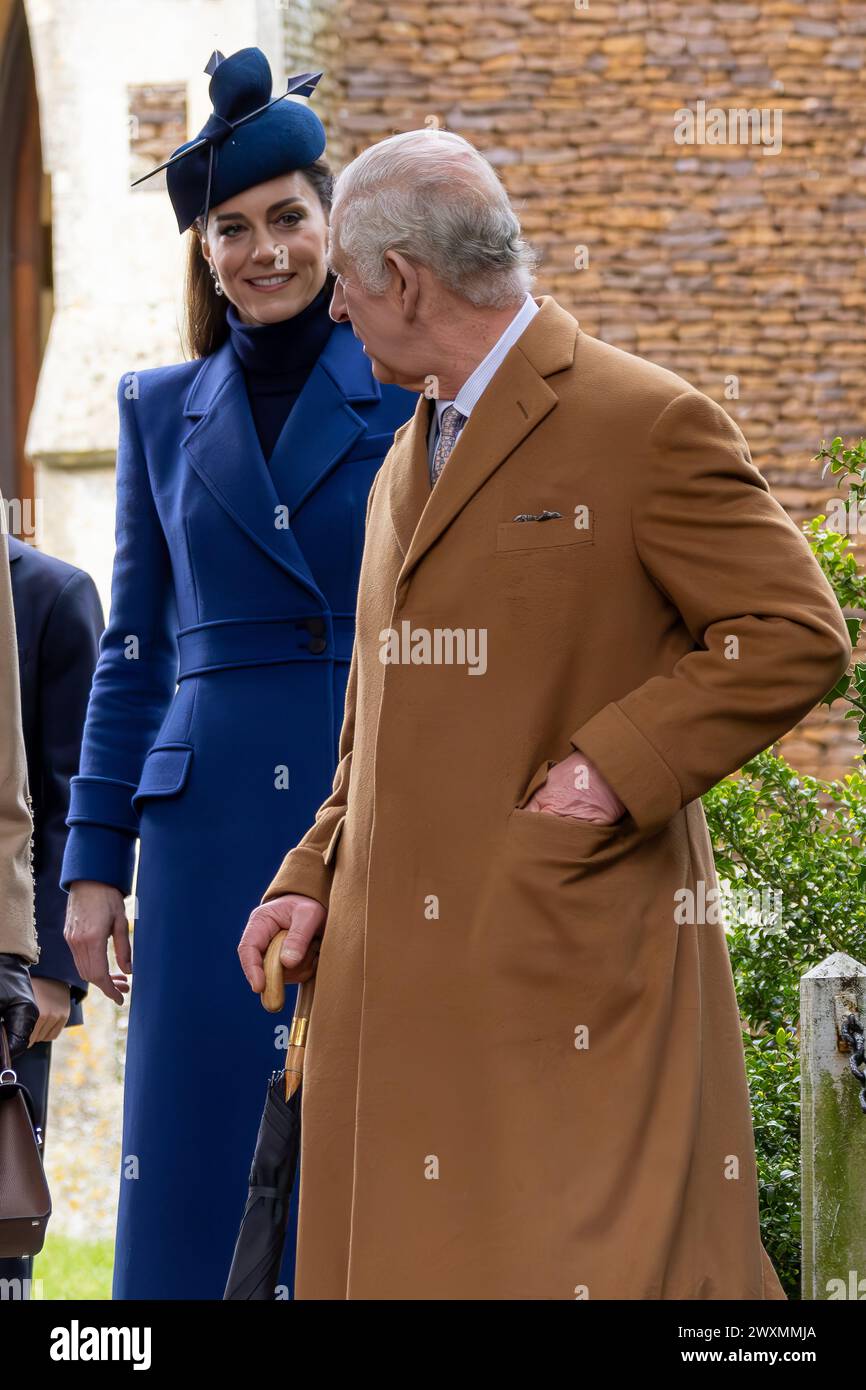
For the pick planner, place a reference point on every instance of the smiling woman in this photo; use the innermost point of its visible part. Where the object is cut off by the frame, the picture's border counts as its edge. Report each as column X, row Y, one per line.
column 262, row 250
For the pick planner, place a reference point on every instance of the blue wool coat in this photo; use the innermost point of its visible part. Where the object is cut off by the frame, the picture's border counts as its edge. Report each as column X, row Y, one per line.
column 211, row 735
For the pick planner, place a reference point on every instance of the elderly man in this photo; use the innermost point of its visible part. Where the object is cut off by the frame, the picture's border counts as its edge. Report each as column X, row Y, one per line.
column 579, row 608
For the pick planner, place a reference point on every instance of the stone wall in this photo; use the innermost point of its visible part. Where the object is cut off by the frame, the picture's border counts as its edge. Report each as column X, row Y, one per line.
column 311, row 42
column 742, row 270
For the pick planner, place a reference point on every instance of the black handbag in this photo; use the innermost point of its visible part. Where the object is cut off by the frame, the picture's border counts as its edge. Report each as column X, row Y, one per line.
column 25, row 1201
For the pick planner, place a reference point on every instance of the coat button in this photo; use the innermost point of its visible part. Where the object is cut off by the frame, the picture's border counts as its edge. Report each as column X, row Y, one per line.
column 317, row 645
column 316, row 626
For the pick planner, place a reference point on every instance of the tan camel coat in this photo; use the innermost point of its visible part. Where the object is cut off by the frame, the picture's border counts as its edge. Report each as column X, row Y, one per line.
column 524, row 1080
column 17, row 929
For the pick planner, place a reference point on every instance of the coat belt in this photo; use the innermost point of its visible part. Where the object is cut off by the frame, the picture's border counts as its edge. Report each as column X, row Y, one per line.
column 234, row 642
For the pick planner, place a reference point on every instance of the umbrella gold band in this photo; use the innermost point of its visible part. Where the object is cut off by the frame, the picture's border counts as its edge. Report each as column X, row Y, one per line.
column 298, row 1032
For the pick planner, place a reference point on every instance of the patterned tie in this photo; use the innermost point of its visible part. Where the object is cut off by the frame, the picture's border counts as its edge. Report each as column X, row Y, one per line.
column 448, row 430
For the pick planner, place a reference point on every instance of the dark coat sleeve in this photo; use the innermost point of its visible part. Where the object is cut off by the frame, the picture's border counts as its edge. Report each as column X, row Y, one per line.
column 68, row 651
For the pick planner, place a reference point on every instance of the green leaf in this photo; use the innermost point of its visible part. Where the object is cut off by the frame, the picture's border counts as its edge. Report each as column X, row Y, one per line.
column 839, row 690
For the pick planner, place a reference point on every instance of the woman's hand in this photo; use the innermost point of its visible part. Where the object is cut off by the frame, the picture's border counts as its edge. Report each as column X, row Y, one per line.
column 18, row 1008
column 94, row 913
column 303, row 919
column 53, row 1001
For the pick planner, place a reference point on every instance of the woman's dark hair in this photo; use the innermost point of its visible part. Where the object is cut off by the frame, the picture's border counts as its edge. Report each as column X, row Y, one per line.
column 205, row 327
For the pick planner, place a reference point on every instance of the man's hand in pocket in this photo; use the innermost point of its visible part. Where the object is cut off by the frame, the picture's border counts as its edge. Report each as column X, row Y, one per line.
column 576, row 788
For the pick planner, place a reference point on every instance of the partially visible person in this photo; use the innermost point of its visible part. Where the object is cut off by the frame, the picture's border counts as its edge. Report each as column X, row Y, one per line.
column 18, row 948
column 59, row 621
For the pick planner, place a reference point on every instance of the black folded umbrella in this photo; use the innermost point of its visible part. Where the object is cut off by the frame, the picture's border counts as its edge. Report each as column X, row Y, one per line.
column 262, row 1236
column 259, row 1249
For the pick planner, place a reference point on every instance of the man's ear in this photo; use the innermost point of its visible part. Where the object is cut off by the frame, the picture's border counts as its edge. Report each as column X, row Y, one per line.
column 405, row 282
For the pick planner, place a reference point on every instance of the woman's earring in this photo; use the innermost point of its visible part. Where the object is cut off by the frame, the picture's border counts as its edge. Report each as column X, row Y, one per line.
column 216, row 284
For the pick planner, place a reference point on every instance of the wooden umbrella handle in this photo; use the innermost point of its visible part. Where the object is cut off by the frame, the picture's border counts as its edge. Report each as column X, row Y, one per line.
column 274, row 992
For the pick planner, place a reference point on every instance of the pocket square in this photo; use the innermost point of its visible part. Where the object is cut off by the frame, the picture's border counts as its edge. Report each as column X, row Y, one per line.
column 536, row 516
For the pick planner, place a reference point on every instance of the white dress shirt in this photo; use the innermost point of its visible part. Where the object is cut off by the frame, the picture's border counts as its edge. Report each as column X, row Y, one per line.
column 475, row 385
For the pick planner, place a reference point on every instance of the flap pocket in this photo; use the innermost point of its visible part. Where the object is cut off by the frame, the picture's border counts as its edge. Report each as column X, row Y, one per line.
column 334, row 840
column 165, row 771
column 541, row 535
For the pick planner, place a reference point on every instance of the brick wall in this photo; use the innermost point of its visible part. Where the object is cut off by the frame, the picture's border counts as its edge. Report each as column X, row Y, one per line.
column 744, row 271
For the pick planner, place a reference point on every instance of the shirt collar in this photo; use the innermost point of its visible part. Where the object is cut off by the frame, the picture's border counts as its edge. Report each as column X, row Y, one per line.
column 473, row 387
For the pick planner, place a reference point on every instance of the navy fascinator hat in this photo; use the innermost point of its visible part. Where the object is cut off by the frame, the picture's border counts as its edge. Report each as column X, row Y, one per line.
column 248, row 138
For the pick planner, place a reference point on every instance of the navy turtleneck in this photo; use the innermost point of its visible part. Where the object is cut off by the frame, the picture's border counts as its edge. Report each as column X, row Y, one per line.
column 277, row 358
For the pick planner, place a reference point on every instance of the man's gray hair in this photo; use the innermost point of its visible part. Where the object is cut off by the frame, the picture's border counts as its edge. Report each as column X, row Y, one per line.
column 432, row 195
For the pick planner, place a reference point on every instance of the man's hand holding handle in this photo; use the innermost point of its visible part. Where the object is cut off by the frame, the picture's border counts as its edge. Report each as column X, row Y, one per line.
column 303, row 919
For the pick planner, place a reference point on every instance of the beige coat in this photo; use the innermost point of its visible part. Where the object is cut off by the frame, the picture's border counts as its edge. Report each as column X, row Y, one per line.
column 17, row 929
column 524, row 1080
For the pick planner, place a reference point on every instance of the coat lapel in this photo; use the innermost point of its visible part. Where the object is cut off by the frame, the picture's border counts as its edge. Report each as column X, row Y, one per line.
column 224, row 449
column 516, row 400
column 409, row 476
column 322, row 426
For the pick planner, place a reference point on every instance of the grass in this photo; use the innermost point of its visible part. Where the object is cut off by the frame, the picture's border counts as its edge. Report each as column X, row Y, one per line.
column 70, row 1268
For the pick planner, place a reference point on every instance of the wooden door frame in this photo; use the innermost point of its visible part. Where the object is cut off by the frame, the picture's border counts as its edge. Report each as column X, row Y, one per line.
column 22, row 255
